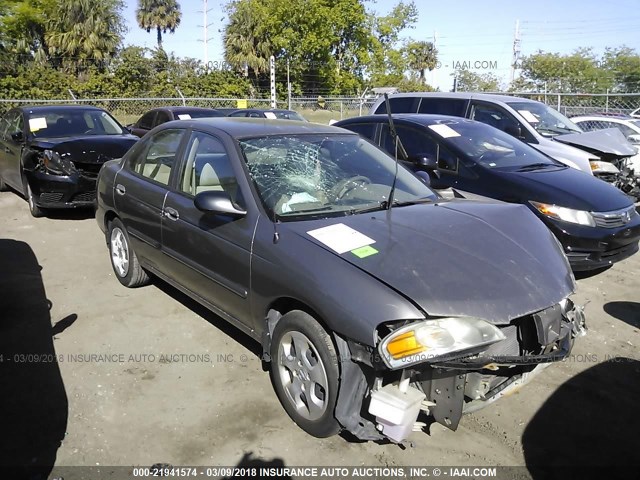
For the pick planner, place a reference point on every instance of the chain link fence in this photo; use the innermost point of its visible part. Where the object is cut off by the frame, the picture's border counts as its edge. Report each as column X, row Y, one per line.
column 325, row 109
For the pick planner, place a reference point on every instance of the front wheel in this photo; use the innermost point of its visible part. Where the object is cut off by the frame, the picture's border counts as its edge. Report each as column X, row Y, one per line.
column 123, row 259
column 305, row 374
column 35, row 210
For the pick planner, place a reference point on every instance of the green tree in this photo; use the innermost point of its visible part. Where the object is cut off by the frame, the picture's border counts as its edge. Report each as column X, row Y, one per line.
column 388, row 57
column 246, row 45
column 23, row 27
column 162, row 15
column 421, row 56
column 623, row 66
column 85, row 33
column 578, row 72
column 468, row 81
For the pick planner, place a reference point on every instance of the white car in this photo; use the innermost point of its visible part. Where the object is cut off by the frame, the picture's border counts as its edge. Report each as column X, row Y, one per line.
column 628, row 125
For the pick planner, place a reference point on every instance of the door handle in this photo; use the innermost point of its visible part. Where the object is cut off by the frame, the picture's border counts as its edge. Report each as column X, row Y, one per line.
column 171, row 213
column 7, row 150
column 120, row 190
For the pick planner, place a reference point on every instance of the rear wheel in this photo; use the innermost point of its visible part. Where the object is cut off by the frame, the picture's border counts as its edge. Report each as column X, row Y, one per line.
column 305, row 374
column 124, row 261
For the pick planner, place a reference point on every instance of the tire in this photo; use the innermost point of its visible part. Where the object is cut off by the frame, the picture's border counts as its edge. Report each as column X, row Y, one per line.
column 35, row 210
column 124, row 261
column 3, row 186
column 305, row 373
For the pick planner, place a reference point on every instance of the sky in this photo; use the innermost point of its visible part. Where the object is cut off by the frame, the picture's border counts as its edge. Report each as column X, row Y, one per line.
column 475, row 34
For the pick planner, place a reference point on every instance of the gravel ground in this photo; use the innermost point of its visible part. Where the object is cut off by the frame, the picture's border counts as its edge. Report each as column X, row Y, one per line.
column 100, row 375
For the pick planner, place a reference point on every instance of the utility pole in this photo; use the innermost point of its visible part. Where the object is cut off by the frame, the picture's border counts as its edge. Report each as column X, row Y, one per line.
column 516, row 51
column 205, row 38
column 288, row 86
column 434, row 71
column 272, row 68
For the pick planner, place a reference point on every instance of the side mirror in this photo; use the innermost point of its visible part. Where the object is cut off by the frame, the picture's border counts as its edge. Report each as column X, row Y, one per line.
column 17, row 136
column 424, row 176
column 514, row 131
column 635, row 139
column 424, row 161
column 216, row 201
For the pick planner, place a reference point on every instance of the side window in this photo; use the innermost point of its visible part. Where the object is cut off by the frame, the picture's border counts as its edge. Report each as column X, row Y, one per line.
column 416, row 142
column 11, row 123
column 208, row 167
column 399, row 105
column 161, row 118
column 496, row 117
column 586, row 125
column 158, row 158
column 443, row 106
column 447, row 160
column 146, row 121
column 626, row 131
column 367, row 130
column 238, row 114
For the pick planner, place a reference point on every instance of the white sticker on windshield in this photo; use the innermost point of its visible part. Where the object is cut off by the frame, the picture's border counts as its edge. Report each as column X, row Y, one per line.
column 184, row 116
column 444, row 131
column 528, row 116
column 270, row 115
column 37, row 123
column 341, row 238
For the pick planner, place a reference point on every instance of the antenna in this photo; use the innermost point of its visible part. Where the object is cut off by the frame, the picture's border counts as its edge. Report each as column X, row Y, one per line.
column 205, row 38
column 394, row 135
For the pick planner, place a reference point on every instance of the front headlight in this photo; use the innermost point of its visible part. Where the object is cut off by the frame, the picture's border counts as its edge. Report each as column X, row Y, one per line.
column 598, row 166
column 429, row 340
column 52, row 162
column 581, row 217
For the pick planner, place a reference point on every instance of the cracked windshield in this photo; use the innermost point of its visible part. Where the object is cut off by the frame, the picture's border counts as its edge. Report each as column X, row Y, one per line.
column 320, row 175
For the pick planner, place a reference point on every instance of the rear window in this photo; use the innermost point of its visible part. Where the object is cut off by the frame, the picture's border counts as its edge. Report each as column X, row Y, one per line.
column 443, row 106
column 398, row 105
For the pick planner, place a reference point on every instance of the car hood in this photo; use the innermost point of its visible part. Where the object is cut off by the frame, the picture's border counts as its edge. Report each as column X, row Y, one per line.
column 609, row 141
column 566, row 187
column 90, row 148
column 460, row 258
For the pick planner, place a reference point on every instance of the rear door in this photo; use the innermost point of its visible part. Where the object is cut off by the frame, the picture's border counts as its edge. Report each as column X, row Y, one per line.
column 141, row 187
column 210, row 252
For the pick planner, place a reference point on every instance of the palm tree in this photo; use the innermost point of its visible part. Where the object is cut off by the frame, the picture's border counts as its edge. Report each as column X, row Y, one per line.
column 85, row 33
column 245, row 47
column 163, row 15
column 421, row 56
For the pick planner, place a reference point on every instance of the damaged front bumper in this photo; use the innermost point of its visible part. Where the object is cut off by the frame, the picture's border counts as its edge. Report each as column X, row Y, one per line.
column 376, row 403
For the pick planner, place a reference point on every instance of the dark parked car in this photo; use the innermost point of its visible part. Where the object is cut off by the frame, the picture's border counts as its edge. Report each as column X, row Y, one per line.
column 264, row 113
column 596, row 223
column 370, row 317
column 158, row 116
column 52, row 154
column 544, row 128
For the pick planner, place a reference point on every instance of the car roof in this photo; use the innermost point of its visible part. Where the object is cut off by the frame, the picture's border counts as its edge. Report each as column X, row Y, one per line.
column 62, row 107
column 606, row 118
column 491, row 97
column 417, row 118
column 185, row 109
column 251, row 127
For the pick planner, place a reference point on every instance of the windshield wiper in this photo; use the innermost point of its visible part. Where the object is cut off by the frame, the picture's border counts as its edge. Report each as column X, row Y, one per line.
column 537, row 166
column 396, row 203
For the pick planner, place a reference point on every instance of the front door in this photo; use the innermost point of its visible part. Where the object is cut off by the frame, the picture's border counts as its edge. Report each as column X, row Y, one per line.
column 210, row 253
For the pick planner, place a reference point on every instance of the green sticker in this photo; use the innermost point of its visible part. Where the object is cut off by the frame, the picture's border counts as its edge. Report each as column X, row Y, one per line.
column 364, row 251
